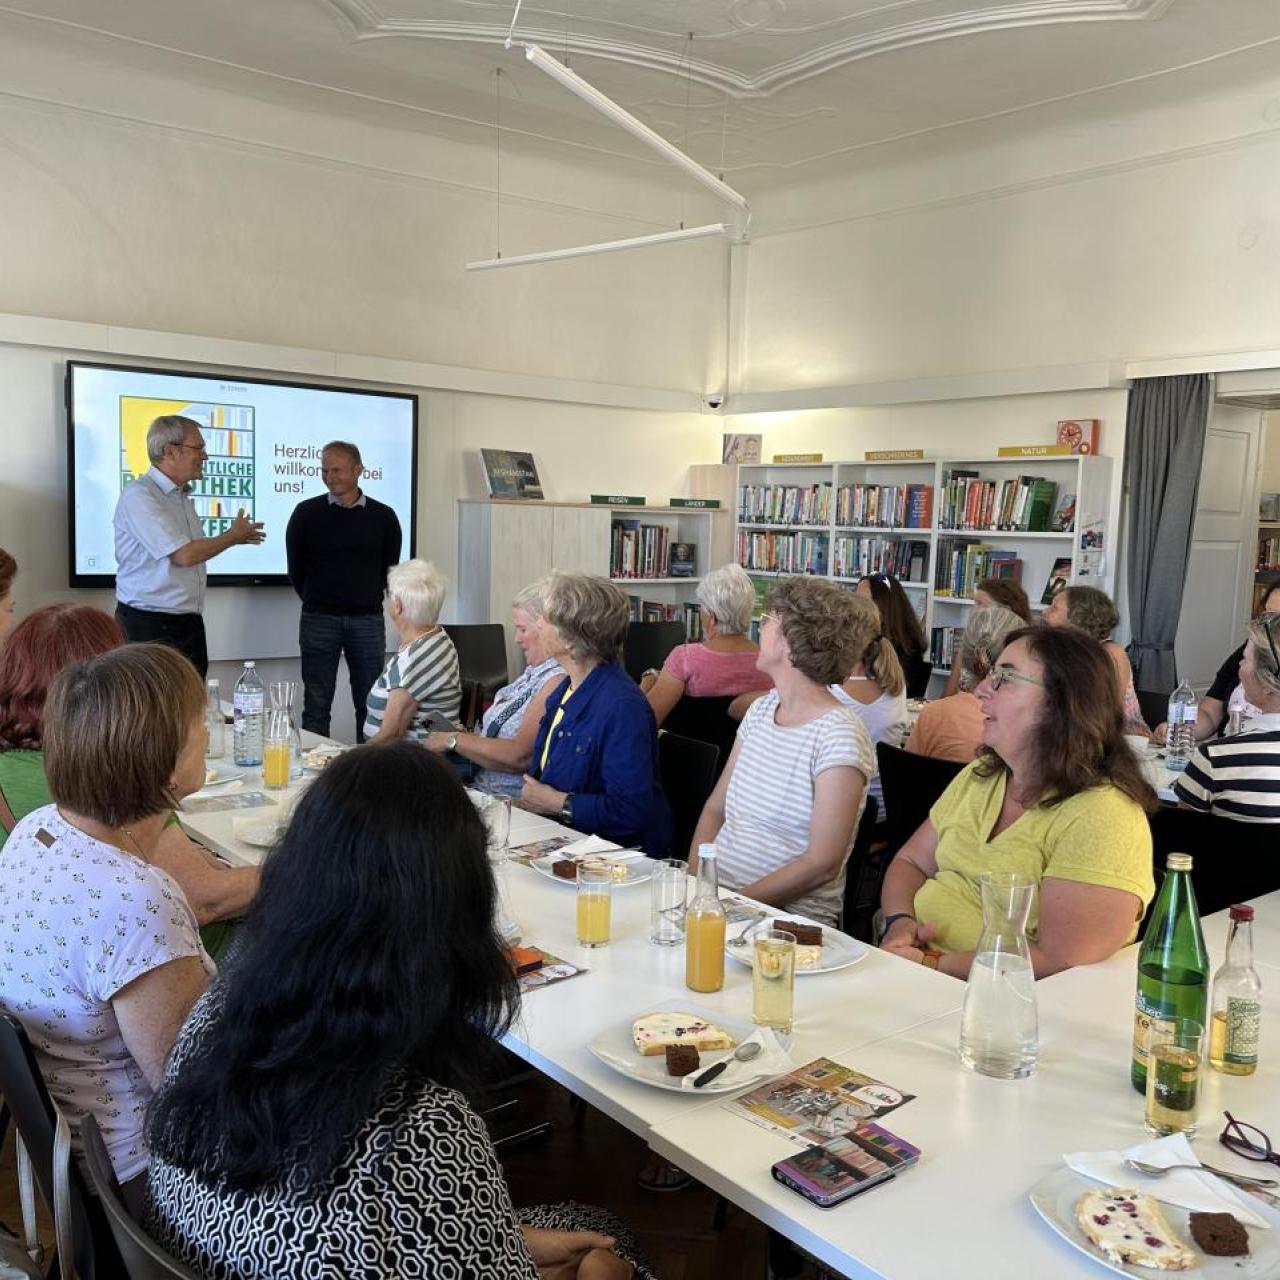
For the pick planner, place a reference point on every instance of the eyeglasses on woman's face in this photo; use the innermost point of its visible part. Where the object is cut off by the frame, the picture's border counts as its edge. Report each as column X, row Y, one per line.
column 998, row 676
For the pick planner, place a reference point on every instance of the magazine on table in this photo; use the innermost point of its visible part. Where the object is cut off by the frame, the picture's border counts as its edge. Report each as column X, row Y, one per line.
column 236, row 800
column 535, row 849
column 817, row 1102
column 537, row 968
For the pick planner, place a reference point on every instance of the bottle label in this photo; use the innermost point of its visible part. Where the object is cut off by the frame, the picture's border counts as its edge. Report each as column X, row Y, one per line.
column 1244, row 1017
column 248, row 704
column 1145, row 1022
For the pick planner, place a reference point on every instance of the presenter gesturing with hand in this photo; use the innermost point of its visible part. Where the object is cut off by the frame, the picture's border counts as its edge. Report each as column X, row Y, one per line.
column 161, row 547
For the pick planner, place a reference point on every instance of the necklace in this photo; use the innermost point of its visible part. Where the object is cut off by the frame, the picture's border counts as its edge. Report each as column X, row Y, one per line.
column 134, row 841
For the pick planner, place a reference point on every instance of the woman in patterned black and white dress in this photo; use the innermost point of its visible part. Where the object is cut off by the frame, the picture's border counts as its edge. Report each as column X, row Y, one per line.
column 311, row 1123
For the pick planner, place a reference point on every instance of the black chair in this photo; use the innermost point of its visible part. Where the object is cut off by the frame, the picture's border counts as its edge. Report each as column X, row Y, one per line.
column 1155, row 706
column 864, row 875
column 707, row 720
column 687, row 769
column 911, row 785
column 647, row 645
column 482, row 663
column 34, row 1118
column 1231, row 861
column 143, row 1258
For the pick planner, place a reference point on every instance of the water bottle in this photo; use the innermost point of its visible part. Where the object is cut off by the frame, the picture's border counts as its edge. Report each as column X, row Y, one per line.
column 214, row 722
column 248, row 714
column 999, row 1026
column 1180, row 740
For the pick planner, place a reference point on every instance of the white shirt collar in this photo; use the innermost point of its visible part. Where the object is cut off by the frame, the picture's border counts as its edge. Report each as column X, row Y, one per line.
column 163, row 483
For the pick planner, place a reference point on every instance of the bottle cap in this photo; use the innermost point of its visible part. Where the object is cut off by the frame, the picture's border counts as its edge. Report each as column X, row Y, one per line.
column 249, row 662
column 1242, row 912
column 1178, row 862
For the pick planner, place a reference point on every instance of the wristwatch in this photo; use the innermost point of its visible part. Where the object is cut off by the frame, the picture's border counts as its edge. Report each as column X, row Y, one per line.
column 889, row 921
column 566, row 810
column 453, row 742
column 930, row 957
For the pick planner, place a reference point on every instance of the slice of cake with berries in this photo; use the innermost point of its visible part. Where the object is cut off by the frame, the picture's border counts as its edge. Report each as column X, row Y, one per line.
column 1129, row 1227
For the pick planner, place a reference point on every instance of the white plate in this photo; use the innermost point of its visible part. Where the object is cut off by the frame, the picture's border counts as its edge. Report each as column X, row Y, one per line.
column 262, row 833
column 839, row 950
column 320, row 768
column 615, row 1048
column 639, row 869
column 1055, row 1196
column 220, row 776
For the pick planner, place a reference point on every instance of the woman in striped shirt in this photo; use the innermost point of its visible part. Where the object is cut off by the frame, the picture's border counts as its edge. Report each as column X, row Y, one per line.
column 784, row 813
column 421, row 682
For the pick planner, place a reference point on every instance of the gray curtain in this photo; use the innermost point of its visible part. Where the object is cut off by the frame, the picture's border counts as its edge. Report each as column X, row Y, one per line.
column 1163, row 447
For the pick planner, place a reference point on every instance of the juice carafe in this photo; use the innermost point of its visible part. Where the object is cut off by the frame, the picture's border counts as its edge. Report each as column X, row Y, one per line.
column 704, row 928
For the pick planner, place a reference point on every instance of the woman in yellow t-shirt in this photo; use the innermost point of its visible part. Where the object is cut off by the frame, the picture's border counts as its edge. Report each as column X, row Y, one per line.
column 1055, row 794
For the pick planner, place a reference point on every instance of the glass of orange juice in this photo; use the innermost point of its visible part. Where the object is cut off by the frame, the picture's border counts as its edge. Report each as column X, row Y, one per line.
column 595, row 901
column 277, row 751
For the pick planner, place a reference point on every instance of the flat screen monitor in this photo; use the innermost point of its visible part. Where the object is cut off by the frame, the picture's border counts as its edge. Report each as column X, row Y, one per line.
column 263, row 438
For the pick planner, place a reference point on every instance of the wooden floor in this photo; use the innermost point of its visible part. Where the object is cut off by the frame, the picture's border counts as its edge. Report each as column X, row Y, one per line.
column 596, row 1163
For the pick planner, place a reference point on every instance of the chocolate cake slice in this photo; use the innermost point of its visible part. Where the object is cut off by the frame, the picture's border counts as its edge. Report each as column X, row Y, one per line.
column 1219, row 1234
column 681, row 1059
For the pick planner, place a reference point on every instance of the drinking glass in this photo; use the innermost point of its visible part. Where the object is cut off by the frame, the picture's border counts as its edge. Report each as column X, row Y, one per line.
column 495, row 813
column 666, row 902
column 773, row 980
column 595, row 901
column 282, row 695
column 277, row 751
column 1174, row 1065
column 216, row 746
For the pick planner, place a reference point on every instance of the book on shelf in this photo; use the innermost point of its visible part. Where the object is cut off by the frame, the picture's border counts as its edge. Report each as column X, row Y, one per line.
column 943, row 643
column 784, row 503
column 683, row 562
column 641, row 610
column 888, row 505
column 510, row 474
column 1059, row 577
column 961, row 565
column 769, row 552
column 1064, row 514
column 1268, row 553
column 1021, row 504
column 1269, row 507
column 856, row 555
column 639, row 550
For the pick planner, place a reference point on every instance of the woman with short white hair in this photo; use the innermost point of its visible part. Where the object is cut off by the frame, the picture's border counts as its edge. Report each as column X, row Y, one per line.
column 421, row 682
column 723, row 662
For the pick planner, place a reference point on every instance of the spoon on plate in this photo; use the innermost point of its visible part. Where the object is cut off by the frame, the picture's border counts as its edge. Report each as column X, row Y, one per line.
column 747, row 1050
column 1159, row 1170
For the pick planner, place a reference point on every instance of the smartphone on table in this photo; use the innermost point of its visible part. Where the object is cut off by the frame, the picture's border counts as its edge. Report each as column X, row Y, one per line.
column 846, row 1166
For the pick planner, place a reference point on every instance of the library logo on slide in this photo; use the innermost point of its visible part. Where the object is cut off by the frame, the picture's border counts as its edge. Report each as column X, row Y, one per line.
column 227, row 485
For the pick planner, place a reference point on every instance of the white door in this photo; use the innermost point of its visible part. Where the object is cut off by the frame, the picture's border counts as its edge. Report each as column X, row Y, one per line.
column 1219, row 587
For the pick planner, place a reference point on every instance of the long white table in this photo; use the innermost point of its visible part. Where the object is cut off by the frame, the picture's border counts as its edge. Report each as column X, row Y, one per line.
column 963, row 1212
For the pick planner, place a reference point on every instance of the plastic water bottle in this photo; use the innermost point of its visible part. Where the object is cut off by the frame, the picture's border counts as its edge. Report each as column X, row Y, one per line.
column 247, row 712
column 1180, row 740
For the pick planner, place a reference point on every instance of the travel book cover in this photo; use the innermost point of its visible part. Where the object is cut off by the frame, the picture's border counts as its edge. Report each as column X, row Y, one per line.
column 818, row 1102
column 510, row 474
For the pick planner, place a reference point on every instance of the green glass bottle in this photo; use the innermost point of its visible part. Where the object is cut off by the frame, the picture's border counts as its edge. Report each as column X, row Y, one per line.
column 1173, row 966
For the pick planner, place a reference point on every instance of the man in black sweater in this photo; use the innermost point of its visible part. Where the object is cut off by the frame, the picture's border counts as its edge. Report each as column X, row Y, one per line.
column 340, row 546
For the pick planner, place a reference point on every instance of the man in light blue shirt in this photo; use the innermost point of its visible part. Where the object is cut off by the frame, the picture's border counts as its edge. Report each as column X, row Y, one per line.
column 161, row 549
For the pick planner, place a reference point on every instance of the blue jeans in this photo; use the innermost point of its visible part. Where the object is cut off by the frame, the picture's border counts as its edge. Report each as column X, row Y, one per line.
column 325, row 637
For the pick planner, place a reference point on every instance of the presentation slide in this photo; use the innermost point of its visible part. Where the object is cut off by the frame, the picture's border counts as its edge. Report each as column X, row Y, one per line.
column 263, row 439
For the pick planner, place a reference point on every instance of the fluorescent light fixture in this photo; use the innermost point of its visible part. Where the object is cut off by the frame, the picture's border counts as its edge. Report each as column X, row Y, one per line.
column 608, row 246
column 606, row 106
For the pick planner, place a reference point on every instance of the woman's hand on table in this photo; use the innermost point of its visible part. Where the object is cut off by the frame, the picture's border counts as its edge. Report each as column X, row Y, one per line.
column 908, row 939
column 541, row 798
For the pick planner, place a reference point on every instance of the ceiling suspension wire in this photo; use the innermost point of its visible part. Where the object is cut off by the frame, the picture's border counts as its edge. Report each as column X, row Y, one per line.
column 497, row 118
column 515, row 17
column 688, row 85
column 724, row 133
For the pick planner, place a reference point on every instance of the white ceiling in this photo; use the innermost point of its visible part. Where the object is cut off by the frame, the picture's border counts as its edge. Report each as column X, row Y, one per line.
column 763, row 90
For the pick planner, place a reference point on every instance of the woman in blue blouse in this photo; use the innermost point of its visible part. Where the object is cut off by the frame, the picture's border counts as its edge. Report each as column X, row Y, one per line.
column 595, row 759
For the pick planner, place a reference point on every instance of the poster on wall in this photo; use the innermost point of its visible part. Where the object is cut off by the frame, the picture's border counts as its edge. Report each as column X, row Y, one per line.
column 742, row 448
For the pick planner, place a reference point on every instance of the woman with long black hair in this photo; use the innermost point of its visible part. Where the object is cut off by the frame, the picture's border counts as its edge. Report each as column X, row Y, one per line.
column 311, row 1120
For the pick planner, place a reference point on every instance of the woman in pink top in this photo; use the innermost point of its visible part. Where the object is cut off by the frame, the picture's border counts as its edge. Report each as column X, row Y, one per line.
column 951, row 728
column 723, row 663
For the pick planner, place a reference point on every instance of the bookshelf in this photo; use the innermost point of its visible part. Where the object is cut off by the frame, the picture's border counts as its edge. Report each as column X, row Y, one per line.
column 505, row 545
column 863, row 534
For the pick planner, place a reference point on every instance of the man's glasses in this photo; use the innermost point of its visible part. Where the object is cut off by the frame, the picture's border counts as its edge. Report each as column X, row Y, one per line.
column 999, row 675
column 199, row 448
column 1246, row 1141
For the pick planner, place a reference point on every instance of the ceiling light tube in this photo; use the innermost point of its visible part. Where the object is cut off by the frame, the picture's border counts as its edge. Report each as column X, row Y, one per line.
column 607, row 246
column 606, row 106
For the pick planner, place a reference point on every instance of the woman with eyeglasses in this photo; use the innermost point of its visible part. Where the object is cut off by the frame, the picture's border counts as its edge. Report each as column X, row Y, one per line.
column 1055, row 794
column 1239, row 777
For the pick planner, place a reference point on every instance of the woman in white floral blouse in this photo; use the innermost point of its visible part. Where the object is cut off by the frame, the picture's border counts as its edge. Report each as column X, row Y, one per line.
column 102, row 958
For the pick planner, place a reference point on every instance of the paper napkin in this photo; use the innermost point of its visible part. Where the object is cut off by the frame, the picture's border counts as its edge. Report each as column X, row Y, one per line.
column 772, row 1060
column 1191, row 1188
column 588, row 844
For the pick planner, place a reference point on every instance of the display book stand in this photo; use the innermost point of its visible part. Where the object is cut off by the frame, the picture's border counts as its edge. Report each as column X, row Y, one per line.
column 825, row 541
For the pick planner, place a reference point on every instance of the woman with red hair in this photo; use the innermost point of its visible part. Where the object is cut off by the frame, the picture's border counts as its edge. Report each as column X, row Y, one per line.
column 43, row 644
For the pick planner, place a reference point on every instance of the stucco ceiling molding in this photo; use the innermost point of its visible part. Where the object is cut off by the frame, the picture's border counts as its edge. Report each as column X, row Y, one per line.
column 367, row 22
